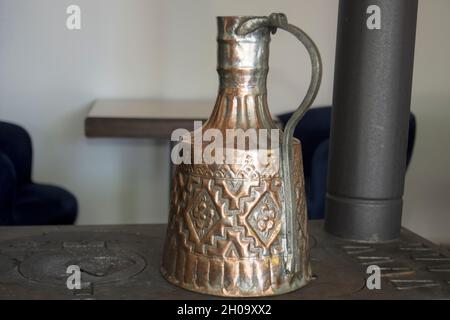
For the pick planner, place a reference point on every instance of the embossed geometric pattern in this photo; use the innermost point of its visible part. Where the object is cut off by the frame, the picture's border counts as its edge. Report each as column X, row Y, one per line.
column 227, row 221
column 225, row 238
column 234, row 185
column 265, row 219
column 203, row 214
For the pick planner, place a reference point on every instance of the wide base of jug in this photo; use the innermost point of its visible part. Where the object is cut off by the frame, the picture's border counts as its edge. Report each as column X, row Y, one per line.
column 287, row 287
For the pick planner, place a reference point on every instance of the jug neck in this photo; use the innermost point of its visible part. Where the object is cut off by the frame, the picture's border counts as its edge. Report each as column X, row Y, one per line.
column 242, row 61
column 242, row 67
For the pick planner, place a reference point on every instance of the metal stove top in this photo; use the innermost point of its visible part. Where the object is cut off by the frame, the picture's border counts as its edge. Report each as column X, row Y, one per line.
column 122, row 262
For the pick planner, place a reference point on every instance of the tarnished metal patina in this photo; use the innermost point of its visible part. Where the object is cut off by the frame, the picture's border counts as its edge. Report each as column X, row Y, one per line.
column 241, row 230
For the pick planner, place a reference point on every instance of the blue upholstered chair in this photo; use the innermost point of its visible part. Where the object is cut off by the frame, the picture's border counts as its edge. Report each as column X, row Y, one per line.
column 23, row 202
column 314, row 132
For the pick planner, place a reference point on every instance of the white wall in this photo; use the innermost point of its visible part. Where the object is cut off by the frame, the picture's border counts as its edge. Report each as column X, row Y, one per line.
column 49, row 76
column 427, row 190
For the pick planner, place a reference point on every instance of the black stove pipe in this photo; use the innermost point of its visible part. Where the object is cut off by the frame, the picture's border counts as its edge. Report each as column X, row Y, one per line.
column 369, row 129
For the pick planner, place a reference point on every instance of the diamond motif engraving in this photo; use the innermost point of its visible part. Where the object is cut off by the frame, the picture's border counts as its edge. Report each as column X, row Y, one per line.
column 203, row 214
column 265, row 219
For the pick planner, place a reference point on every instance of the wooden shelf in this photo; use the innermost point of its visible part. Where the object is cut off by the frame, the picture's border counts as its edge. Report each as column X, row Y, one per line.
column 144, row 118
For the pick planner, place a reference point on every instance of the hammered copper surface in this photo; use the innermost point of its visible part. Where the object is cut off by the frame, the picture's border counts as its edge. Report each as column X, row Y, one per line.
column 224, row 233
column 229, row 231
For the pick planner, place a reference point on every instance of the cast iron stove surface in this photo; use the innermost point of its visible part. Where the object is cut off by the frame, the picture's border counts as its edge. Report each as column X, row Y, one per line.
column 122, row 262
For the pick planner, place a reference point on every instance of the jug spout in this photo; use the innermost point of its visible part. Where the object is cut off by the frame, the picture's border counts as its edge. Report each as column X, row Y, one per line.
column 242, row 60
column 242, row 66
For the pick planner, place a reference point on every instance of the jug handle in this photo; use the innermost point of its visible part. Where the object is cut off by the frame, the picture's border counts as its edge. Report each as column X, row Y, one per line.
column 274, row 21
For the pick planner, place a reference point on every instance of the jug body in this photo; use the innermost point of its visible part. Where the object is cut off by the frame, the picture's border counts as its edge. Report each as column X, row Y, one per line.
column 227, row 223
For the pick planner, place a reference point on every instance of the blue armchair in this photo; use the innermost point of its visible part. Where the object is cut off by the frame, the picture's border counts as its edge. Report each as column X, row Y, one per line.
column 23, row 202
column 313, row 131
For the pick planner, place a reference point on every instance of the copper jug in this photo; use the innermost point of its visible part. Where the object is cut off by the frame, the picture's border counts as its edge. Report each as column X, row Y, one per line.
column 241, row 230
